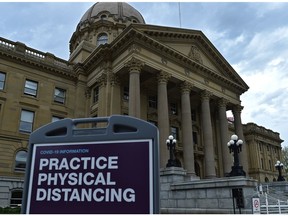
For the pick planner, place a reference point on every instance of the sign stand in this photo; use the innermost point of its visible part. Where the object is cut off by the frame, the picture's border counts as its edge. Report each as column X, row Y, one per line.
column 110, row 167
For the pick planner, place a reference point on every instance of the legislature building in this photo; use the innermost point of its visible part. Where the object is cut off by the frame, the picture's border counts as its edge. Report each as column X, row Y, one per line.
column 172, row 77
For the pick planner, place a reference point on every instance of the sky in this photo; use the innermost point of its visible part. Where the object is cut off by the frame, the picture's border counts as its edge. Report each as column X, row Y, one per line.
column 251, row 36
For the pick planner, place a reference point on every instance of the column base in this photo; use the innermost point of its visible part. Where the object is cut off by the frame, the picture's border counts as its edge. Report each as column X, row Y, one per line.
column 173, row 163
column 237, row 171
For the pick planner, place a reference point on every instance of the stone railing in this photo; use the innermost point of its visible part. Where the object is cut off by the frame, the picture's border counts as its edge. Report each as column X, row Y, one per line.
column 252, row 127
column 21, row 48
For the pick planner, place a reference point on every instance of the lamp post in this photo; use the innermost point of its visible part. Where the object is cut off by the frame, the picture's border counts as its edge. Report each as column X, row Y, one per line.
column 235, row 146
column 279, row 167
column 171, row 144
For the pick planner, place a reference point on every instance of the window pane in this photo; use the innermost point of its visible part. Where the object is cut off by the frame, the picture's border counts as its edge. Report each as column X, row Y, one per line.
column 20, row 161
column 59, row 95
column 31, row 87
column 16, row 198
column 96, row 94
column 55, row 118
column 26, row 123
column 102, row 39
column 126, row 93
column 2, row 80
column 27, row 116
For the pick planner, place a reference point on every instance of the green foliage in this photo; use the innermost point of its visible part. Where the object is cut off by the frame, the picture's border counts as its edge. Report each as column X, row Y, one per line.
column 285, row 159
column 9, row 210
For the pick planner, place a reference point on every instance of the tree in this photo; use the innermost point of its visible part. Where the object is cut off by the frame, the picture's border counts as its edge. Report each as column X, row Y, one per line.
column 285, row 158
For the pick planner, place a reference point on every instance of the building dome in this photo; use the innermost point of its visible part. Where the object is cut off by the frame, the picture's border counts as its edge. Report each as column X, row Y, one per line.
column 119, row 11
column 101, row 24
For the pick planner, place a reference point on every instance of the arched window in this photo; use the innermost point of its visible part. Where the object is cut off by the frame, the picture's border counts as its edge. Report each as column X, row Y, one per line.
column 102, row 39
column 104, row 17
column 20, row 161
column 16, row 198
column 266, row 179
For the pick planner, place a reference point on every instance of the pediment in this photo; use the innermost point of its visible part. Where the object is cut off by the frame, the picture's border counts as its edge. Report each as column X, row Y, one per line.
column 195, row 46
column 188, row 49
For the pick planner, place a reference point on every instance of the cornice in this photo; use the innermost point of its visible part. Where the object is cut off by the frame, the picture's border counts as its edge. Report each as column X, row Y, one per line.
column 177, row 34
column 131, row 35
column 33, row 58
column 254, row 129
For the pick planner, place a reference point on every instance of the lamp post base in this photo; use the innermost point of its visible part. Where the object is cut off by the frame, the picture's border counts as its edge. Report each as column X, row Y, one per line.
column 280, row 178
column 173, row 163
column 237, row 171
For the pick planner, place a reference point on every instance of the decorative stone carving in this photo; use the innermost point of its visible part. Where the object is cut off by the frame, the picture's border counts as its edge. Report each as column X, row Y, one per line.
column 195, row 54
column 222, row 102
column 186, row 87
column 134, row 49
column 102, row 80
column 187, row 72
column 164, row 61
column 114, row 79
column 134, row 65
column 163, row 77
column 237, row 109
column 87, row 92
column 205, row 95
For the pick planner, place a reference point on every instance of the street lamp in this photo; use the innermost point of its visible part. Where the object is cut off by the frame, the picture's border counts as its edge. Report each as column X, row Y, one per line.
column 171, row 144
column 235, row 146
column 279, row 167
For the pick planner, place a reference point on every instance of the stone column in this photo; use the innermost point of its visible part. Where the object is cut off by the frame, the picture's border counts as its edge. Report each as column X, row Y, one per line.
column 187, row 133
column 134, row 66
column 207, row 135
column 239, row 132
column 227, row 159
column 102, row 80
column 115, row 95
column 163, row 117
column 80, row 105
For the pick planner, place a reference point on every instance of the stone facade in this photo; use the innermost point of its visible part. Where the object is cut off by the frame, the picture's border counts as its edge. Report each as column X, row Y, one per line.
column 174, row 78
column 211, row 196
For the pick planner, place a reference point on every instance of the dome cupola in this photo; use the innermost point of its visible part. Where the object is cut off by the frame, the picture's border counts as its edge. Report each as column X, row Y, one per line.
column 101, row 24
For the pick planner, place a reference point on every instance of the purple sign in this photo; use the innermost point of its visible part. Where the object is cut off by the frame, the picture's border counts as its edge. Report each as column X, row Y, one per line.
column 91, row 178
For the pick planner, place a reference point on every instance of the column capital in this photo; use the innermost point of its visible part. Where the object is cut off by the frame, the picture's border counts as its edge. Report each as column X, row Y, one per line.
column 134, row 65
column 102, row 80
column 237, row 108
column 222, row 102
column 87, row 92
column 205, row 95
column 114, row 79
column 163, row 76
column 186, row 87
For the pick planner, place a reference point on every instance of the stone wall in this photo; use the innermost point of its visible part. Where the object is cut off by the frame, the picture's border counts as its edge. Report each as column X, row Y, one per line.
column 8, row 184
column 179, row 194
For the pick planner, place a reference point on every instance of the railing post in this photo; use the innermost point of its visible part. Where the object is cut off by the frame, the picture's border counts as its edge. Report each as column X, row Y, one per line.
column 267, row 210
column 279, row 206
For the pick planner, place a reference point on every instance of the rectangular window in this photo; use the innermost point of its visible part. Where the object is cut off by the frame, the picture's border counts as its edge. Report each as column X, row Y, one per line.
column 126, row 93
column 2, row 80
column 152, row 101
column 26, row 122
column 55, row 118
column 59, row 95
column 195, row 140
column 193, row 115
column 96, row 94
column 173, row 108
column 174, row 133
column 16, row 198
column 270, row 165
column 31, row 88
column 262, row 163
